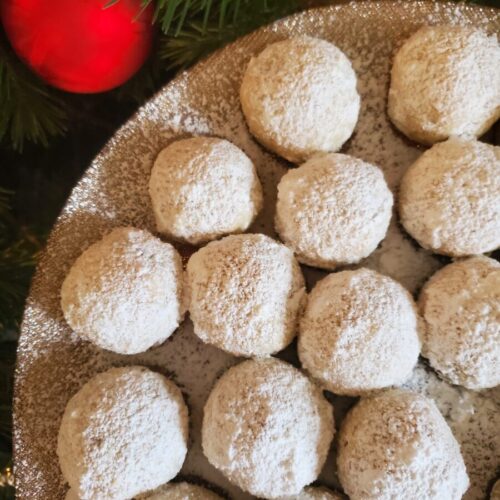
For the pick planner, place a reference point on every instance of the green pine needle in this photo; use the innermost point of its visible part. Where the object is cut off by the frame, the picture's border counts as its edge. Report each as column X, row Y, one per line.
column 30, row 111
column 229, row 20
column 18, row 249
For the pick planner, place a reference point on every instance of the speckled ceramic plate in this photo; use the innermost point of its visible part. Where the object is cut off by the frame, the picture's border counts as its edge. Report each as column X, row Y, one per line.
column 53, row 363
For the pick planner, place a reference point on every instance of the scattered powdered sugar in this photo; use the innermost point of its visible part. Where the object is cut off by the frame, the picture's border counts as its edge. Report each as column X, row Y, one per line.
column 299, row 97
column 125, row 292
column 246, row 294
column 461, row 307
column 267, row 427
column 333, row 210
column 203, row 188
column 359, row 333
column 405, row 433
column 450, row 198
column 53, row 363
column 123, row 433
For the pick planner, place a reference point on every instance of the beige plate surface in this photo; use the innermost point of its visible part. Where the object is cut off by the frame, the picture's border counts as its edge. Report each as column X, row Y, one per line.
column 53, row 363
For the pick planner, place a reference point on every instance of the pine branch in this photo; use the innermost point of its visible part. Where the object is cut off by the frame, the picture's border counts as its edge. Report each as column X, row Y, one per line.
column 4, row 204
column 30, row 111
column 199, row 36
column 18, row 248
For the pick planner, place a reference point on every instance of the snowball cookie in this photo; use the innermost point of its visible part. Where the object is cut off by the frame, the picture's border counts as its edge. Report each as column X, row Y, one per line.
column 124, row 293
column 267, row 428
column 460, row 306
column 359, row 332
column 203, row 188
column 314, row 493
column 247, row 293
column 398, row 446
column 123, row 433
column 180, row 491
column 299, row 97
column 449, row 198
column 333, row 210
column 445, row 81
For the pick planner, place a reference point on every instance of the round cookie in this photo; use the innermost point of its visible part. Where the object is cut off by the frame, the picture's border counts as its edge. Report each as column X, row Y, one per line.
column 359, row 332
column 124, row 293
column 267, row 428
column 247, row 293
column 314, row 493
column 299, row 97
column 460, row 306
column 398, row 445
column 180, row 491
column 333, row 210
column 202, row 188
column 445, row 81
column 123, row 433
column 449, row 199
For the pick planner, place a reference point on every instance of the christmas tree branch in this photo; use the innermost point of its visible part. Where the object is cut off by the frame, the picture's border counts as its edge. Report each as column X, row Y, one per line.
column 200, row 36
column 30, row 111
column 18, row 248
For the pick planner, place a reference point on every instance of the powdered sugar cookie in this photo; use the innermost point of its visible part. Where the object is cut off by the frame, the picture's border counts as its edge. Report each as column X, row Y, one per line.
column 299, row 97
column 123, row 433
column 398, row 445
column 125, row 292
column 247, row 293
column 445, row 81
column 333, row 210
column 267, row 428
column 449, row 199
column 460, row 306
column 203, row 188
column 359, row 332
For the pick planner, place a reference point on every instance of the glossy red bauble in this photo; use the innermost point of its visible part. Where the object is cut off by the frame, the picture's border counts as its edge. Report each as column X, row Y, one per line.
column 78, row 45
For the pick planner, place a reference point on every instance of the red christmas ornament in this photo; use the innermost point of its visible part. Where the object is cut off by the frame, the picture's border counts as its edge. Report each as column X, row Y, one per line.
column 78, row 45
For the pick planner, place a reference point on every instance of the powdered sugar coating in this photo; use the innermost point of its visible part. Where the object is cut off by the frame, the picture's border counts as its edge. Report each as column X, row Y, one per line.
column 398, row 445
column 203, row 188
column 180, row 491
column 267, row 428
column 123, row 433
column 332, row 210
column 314, row 493
column 124, row 293
column 359, row 332
column 450, row 198
column 445, row 81
column 461, row 307
column 299, row 97
column 247, row 293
